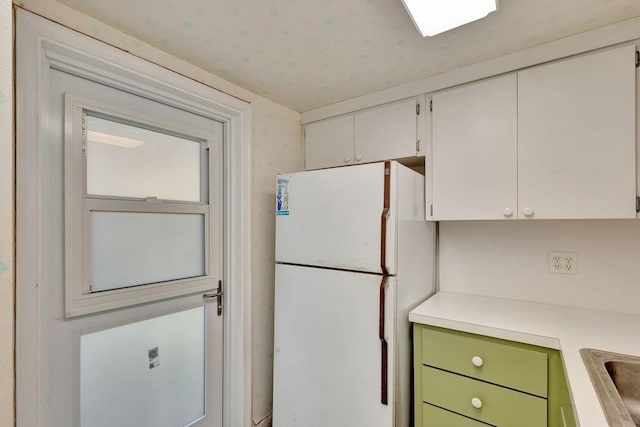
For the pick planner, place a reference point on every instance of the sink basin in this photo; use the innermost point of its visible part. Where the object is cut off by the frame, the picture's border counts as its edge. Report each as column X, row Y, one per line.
column 616, row 379
column 626, row 378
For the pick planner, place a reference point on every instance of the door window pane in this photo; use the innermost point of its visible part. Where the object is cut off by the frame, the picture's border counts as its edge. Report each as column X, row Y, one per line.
column 130, row 161
column 149, row 373
column 129, row 249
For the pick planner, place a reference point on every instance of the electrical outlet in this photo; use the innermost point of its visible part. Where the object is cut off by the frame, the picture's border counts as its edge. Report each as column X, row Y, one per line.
column 563, row 263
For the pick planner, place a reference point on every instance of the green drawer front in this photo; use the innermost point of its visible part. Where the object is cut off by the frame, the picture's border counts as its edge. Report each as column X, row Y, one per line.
column 506, row 364
column 500, row 406
column 432, row 416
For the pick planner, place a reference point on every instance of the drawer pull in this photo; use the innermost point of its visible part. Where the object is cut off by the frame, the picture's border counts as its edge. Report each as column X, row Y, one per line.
column 477, row 361
column 477, row 403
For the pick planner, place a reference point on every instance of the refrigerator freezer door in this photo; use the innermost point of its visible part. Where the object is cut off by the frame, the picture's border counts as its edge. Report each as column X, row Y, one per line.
column 332, row 218
column 327, row 352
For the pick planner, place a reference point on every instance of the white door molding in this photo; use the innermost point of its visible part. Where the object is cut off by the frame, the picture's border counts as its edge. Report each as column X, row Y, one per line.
column 36, row 38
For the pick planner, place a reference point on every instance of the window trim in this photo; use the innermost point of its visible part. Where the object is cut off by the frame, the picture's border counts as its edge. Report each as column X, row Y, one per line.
column 79, row 300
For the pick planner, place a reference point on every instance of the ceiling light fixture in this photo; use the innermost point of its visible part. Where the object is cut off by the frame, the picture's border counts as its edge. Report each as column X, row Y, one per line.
column 433, row 17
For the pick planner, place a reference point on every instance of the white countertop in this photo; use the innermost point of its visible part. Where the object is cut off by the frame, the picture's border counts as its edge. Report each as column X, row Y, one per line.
column 567, row 329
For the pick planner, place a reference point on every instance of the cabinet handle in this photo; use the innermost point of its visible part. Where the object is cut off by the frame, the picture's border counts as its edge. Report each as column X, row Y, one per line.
column 507, row 212
column 528, row 211
column 477, row 361
column 358, row 157
column 477, row 403
column 347, row 159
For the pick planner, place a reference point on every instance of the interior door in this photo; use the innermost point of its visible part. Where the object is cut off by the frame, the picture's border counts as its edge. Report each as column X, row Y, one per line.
column 149, row 363
column 327, row 348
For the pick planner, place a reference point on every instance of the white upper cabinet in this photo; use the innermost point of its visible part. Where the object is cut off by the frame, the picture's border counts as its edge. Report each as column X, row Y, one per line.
column 555, row 141
column 390, row 131
column 576, row 137
column 475, row 151
column 329, row 142
column 387, row 132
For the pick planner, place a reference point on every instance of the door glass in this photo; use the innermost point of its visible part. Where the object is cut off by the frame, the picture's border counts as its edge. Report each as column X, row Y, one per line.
column 130, row 161
column 132, row 248
column 149, row 373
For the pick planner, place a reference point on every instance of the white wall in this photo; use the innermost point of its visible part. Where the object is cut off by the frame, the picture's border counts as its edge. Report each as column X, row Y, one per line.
column 6, row 215
column 277, row 147
column 509, row 259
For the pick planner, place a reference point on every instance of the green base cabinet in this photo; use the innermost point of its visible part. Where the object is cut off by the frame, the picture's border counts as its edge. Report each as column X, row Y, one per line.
column 463, row 379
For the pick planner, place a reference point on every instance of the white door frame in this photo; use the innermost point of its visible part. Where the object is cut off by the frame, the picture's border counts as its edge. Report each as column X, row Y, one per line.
column 35, row 34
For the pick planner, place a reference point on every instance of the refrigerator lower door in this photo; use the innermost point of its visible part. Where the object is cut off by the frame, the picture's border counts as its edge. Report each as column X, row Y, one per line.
column 327, row 349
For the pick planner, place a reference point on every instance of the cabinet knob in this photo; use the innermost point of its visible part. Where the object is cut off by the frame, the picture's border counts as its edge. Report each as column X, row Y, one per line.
column 358, row 157
column 527, row 211
column 477, row 403
column 477, row 361
column 347, row 159
column 507, row 212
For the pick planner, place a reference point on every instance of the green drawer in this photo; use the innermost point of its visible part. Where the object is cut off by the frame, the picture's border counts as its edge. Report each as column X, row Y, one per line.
column 508, row 364
column 500, row 406
column 432, row 416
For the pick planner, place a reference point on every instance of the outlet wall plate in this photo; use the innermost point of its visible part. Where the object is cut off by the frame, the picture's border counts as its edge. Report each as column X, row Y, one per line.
column 563, row 263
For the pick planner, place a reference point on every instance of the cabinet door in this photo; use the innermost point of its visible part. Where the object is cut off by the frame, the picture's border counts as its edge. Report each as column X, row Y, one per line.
column 329, row 143
column 475, row 151
column 576, row 137
column 386, row 132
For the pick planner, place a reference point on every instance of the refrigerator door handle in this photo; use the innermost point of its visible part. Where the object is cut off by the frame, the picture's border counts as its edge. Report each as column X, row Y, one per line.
column 383, row 344
column 386, row 213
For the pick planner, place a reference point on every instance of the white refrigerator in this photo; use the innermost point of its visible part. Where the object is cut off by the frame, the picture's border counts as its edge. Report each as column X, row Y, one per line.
column 354, row 255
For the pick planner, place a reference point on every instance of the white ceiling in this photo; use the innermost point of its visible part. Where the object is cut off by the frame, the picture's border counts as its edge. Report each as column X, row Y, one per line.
column 306, row 54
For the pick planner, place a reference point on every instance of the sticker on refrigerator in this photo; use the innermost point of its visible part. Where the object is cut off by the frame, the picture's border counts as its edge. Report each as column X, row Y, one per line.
column 282, row 197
